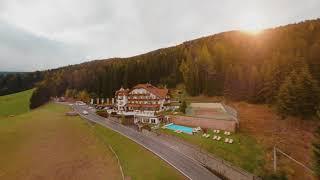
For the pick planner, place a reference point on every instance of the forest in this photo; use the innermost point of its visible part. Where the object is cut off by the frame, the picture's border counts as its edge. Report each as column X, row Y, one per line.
column 279, row 66
column 12, row 82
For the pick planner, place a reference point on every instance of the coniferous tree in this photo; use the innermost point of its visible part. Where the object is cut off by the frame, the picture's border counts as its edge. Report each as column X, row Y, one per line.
column 231, row 63
column 183, row 107
column 299, row 94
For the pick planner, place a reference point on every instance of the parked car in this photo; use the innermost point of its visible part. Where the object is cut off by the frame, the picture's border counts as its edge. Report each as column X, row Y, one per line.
column 80, row 103
column 85, row 112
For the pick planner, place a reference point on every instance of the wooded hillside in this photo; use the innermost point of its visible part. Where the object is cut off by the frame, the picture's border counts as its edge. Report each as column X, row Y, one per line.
column 238, row 65
column 13, row 82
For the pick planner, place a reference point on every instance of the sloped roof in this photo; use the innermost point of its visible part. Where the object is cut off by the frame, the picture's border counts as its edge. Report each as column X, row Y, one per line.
column 160, row 92
column 122, row 91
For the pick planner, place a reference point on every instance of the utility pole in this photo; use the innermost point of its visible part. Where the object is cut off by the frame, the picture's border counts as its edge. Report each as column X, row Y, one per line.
column 289, row 157
column 274, row 159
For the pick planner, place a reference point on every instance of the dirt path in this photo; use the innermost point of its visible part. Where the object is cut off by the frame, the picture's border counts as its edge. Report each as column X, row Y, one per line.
column 45, row 144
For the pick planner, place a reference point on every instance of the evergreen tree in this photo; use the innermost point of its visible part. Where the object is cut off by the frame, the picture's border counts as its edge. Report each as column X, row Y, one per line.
column 299, row 94
column 183, row 107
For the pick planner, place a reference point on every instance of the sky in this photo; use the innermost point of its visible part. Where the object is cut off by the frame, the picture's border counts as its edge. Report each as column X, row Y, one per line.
column 44, row 34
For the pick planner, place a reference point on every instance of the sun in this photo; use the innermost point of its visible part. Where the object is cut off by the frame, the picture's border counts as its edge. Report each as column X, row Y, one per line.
column 252, row 22
column 252, row 27
column 253, row 31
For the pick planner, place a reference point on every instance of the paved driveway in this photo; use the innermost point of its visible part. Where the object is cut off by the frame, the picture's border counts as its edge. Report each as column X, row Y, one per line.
column 187, row 166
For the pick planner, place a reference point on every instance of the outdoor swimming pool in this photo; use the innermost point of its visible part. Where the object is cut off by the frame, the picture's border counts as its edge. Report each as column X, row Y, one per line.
column 175, row 127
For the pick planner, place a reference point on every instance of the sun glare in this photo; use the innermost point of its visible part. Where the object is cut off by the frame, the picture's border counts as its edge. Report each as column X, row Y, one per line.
column 252, row 31
column 252, row 22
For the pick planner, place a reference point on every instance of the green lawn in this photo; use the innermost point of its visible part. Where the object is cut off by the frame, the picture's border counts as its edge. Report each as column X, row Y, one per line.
column 244, row 152
column 46, row 144
column 15, row 104
column 137, row 162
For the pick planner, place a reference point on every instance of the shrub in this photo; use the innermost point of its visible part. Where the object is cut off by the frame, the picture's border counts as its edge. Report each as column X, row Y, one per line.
column 276, row 176
column 122, row 120
column 146, row 127
column 103, row 113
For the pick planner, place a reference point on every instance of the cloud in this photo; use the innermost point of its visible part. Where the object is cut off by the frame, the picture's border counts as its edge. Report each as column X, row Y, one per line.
column 23, row 51
column 53, row 33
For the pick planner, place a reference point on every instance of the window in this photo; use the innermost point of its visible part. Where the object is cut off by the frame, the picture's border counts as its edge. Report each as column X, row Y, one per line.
column 153, row 121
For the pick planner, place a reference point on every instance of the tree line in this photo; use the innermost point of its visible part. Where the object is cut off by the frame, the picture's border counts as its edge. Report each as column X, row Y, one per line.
column 279, row 66
column 18, row 81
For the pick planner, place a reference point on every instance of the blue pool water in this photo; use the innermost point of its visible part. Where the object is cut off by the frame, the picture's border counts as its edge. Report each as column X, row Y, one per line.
column 175, row 127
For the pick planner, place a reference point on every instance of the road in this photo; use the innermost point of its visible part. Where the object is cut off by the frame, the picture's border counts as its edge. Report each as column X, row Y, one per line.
column 187, row 166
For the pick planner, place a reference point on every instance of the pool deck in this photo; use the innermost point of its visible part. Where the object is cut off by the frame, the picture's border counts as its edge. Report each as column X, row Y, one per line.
column 181, row 130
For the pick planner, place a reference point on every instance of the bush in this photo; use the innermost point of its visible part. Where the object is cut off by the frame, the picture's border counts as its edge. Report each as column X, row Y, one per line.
column 103, row 113
column 122, row 120
column 276, row 176
column 146, row 127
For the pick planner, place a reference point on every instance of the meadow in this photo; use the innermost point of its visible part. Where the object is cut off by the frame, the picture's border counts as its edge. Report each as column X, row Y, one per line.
column 15, row 104
column 46, row 144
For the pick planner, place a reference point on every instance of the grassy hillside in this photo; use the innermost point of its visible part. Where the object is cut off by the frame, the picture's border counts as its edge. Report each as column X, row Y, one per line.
column 245, row 152
column 64, row 147
column 137, row 162
column 15, row 104
column 45, row 144
column 261, row 129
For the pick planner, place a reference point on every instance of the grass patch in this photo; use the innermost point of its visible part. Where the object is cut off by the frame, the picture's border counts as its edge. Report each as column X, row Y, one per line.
column 46, row 144
column 15, row 104
column 244, row 152
column 137, row 162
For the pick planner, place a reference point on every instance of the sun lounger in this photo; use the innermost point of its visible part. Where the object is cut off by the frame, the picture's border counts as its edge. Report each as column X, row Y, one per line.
column 230, row 141
column 219, row 137
column 204, row 135
column 226, row 140
column 215, row 137
column 218, row 131
column 208, row 135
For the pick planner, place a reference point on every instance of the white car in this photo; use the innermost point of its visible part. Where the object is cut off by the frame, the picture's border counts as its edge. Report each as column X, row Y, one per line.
column 80, row 103
column 85, row 112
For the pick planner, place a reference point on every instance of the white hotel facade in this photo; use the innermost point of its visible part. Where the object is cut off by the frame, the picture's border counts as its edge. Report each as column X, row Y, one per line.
column 144, row 101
